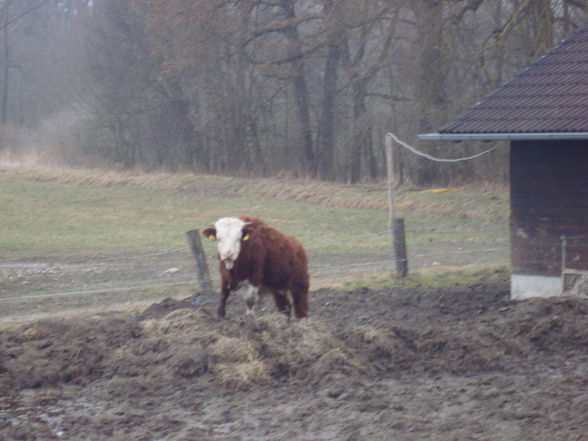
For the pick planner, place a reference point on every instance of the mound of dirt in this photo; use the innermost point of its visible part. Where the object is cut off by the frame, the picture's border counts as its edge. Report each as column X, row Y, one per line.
column 51, row 352
column 463, row 363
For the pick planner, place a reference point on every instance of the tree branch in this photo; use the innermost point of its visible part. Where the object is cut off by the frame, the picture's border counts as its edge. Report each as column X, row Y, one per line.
column 578, row 4
column 472, row 5
column 19, row 16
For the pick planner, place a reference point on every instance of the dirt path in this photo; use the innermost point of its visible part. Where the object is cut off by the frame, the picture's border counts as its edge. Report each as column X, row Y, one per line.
column 57, row 285
column 454, row 364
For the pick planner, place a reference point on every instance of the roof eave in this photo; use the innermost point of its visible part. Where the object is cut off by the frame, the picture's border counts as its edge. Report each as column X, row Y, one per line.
column 503, row 136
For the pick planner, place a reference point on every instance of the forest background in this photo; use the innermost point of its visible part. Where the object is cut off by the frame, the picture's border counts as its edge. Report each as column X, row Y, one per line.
column 294, row 88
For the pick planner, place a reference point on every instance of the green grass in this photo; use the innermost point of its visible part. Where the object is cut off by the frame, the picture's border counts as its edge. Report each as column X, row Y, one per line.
column 40, row 218
column 45, row 217
column 61, row 212
column 435, row 279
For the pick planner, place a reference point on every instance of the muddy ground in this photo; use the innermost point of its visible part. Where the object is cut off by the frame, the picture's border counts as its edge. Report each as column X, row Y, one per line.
column 404, row 364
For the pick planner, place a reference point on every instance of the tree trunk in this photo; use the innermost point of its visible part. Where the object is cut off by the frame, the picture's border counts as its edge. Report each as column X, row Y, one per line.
column 308, row 162
column 326, row 129
column 361, row 128
column 6, row 79
column 542, row 28
column 430, row 89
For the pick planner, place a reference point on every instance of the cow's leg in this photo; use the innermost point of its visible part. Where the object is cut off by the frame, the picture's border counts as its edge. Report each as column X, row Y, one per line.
column 282, row 302
column 225, row 291
column 300, row 299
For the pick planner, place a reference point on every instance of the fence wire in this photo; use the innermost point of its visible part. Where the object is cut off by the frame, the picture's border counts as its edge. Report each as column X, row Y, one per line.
column 82, row 282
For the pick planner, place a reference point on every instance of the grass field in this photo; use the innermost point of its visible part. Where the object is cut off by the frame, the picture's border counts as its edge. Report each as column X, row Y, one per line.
column 53, row 219
column 55, row 211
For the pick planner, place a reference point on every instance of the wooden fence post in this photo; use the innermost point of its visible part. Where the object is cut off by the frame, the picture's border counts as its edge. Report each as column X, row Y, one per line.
column 400, row 248
column 200, row 259
column 395, row 226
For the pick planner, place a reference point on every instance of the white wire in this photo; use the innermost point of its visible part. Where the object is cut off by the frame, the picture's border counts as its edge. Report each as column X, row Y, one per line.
column 96, row 291
column 433, row 158
column 486, row 250
column 141, row 256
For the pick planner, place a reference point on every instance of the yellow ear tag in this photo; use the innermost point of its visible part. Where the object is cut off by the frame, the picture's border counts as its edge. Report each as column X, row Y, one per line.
column 212, row 237
column 246, row 237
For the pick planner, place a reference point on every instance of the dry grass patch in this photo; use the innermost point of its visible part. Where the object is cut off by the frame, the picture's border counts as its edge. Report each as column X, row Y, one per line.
column 236, row 375
column 381, row 340
column 367, row 196
column 232, row 359
column 232, row 350
column 256, row 351
column 305, row 349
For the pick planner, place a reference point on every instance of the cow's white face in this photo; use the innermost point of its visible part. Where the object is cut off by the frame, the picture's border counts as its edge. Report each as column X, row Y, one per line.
column 229, row 232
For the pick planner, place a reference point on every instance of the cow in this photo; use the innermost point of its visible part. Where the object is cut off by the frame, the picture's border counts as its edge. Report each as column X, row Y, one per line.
column 255, row 259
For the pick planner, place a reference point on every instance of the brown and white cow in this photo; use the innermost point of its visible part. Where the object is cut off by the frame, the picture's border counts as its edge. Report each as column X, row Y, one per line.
column 256, row 258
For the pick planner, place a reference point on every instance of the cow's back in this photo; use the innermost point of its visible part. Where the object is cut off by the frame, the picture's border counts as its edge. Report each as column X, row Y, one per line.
column 285, row 261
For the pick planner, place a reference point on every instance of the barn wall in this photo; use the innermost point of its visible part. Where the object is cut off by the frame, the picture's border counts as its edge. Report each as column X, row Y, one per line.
column 549, row 199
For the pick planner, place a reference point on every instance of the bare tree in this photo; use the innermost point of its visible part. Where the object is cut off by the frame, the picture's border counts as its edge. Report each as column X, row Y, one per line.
column 257, row 87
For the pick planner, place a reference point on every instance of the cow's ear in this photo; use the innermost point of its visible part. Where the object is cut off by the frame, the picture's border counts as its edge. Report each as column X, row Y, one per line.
column 210, row 233
column 247, row 231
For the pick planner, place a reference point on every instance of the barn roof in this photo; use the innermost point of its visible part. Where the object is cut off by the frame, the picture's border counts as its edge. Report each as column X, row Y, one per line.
column 547, row 100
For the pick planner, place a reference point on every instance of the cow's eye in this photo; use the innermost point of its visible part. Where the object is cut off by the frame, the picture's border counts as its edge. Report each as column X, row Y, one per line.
column 245, row 237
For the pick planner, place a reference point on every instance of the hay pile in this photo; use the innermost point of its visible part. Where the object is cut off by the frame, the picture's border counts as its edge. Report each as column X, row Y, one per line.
column 191, row 346
column 236, row 353
column 254, row 351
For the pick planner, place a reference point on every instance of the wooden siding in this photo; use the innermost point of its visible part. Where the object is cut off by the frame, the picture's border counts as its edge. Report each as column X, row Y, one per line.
column 549, row 199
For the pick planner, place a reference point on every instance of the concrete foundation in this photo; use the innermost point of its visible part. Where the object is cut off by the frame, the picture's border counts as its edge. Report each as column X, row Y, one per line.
column 525, row 287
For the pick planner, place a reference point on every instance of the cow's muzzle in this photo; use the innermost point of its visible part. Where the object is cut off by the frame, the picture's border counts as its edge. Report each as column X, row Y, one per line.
column 229, row 263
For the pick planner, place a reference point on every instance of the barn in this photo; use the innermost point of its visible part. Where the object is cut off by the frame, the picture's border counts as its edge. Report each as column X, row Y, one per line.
column 543, row 114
